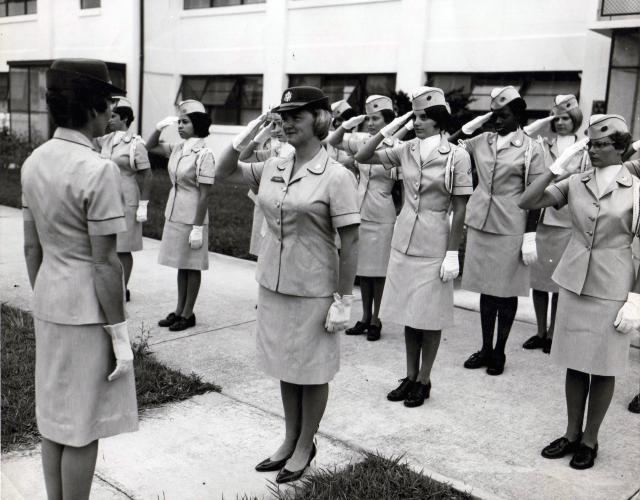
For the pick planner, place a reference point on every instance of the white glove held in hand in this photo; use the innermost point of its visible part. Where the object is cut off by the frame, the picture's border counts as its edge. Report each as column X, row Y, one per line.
column 391, row 128
column 265, row 134
column 121, row 349
column 241, row 140
column 165, row 122
column 529, row 250
column 353, row 122
column 339, row 313
column 628, row 318
column 195, row 237
column 562, row 164
column 470, row 127
column 141, row 213
column 450, row 267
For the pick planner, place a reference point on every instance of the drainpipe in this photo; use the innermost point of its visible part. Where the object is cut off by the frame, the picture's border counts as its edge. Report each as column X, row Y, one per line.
column 141, row 68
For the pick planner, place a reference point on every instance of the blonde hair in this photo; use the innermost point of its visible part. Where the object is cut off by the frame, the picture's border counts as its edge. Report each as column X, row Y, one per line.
column 321, row 123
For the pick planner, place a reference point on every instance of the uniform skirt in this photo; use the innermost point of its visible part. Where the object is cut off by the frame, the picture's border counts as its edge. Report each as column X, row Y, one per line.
column 551, row 242
column 131, row 239
column 175, row 250
column 374, row 248
column 414, row 295
column 493, row 265
column 292, row 344
column 75, row 404
column 256, row 231
column 585, row 338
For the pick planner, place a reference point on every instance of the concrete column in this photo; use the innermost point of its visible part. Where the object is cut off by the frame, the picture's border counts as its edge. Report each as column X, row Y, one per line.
column 133, row 62
column 595, row 72
column 411, row 41
column 274, row 74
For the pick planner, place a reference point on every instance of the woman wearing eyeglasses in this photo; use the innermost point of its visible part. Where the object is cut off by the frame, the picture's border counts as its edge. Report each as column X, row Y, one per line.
column 599, row 300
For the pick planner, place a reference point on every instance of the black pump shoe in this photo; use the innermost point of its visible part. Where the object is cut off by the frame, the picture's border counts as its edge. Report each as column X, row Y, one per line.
column 169, row 320
column 401, row 392
column 373, row 333
column 534, row 342
column 584, row 457
column 287, row 476
column 358, row 329
column 478, row 360
column 417, row 396
column 560, row 447
column 183, row 323
column 268, row 465
column 496, row 363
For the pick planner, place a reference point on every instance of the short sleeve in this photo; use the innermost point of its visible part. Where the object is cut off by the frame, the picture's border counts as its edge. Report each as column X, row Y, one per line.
column 343, row 198
column 167, row 147
column 104, row 201
column 205, row 168
column 462, row 180
column 633, row 167
column 353, row 143
column 538, row 164
column 470, row 144
column 252, row 173
column 141, row 156
column 560, row 192
column 26, row 211
column 391, row 157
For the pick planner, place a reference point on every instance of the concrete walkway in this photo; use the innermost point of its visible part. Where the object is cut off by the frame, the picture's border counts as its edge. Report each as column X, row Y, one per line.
column 481, row 433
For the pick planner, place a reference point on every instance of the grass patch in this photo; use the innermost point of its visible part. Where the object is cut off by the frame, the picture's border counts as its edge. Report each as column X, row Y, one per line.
column 376, row 477
column 155, row 383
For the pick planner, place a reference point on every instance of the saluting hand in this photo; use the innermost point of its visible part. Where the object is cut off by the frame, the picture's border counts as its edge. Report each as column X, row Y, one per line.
column 391, row 128
column 166, row 122
column 265, row 133
column 353, row 122
column 241, row 140
column 563, row 165
column 628, row 318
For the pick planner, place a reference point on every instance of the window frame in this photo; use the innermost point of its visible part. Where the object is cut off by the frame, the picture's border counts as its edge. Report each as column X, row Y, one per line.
column 4, row 6
column 83, row 5
column 213, row 6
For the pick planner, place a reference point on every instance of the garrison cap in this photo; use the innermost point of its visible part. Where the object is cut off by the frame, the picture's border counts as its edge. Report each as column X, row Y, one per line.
column 72, row 74
column 339, row 107
column 605, row 125
column 564, row 103
column 122, row 102
column 427, row 97
column 375, row 103
column 301, row 97
column 502, row 96
column 191, row 106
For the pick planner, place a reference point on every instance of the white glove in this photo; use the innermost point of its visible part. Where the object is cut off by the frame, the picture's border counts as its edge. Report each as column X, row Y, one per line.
column 165, row 122
column 195, row 237
column 529, row 250
column 560, row 166
column 534, row 127
column 470, row 127
column 409, row 125
column 121, row 349
column 389, row 129
column 339, row 313
column 636, row 146
column 353, row 122
column 264, row 134
column 241, row 140
column 450, row 267
column 628, row 318
column 141, row 213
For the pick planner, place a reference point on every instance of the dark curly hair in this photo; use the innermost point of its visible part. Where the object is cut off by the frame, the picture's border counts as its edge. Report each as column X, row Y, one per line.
column 70, row 108
column 125, row 114
column 621, row 140
column 201, row 123
column 440, row 115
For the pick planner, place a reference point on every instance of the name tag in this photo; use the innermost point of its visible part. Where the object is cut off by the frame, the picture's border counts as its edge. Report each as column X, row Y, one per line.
column 277, row 178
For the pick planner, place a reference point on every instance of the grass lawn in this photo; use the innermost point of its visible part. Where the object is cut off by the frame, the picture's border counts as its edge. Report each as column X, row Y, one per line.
column 376, row 477
column 155, row 383
column 230, row 211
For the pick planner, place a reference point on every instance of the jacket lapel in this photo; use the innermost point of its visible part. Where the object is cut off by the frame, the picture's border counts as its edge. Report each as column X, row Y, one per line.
column 622, row 179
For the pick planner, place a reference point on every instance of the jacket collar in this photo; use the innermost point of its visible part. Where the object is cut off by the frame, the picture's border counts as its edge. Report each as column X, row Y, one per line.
column 69, row 135
column 517, row 139
column 623, row 178
column 317, row 165
column 197, row 146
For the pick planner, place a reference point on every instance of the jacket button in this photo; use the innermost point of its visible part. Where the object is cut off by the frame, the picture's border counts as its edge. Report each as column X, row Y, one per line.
column 590, row 233
column 415, row 196
column 416, row 210
column 278, row 221
column 596, row 204
column 588, row 248
column 592, row 218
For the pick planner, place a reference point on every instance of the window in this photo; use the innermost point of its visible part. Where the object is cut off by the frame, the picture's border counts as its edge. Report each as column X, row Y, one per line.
column 538, row 89
column 623, row 94
column 17, row 7
column 4, row 92
column 230, row 100
column 205, row 4
column 27, row 97
column 89, row 4
column 619, row 7
column 353, row 88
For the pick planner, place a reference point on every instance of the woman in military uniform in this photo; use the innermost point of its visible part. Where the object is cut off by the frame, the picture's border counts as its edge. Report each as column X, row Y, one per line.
column 424, row 249
column 185, row 236
column 72, row 199
column 599, row 303
column 305, row 289
column 128, row 151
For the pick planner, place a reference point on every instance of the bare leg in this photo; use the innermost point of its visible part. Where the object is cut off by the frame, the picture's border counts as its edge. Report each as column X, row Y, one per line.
column 600, row 394
column 413, row 344
column 554, row 310
column 576, row 389
column 314, row 402
column 292, row 405
column 78, row 466
column 430, row 344
column 378, row 288
column 541, row 307
column 182, row 290
column 51, row 459
column 193, row 287
column 366, row 290
column 126, row 259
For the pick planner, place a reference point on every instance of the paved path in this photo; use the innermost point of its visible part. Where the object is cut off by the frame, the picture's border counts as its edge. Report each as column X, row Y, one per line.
column 481, row 433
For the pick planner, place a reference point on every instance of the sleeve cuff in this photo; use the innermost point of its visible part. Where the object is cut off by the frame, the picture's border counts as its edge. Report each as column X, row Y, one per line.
column 557, row 195
column 345, row 219
column 143, row 165
column 462, row 190
column 205, row 179
column 108, row 226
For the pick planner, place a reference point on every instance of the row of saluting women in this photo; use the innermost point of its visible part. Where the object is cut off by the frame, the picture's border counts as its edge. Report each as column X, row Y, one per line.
column 76, row 225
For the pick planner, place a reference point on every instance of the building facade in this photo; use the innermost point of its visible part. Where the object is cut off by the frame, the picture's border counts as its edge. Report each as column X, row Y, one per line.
column 237, row 56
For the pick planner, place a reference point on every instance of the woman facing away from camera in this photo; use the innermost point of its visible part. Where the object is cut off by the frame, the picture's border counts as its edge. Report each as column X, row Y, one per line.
column 500, row 236
column 185, row 236
column 599, row 302
column 72, row 199
column 377, row 211
column 424, row 249
column 304, row 296
column 554, row 227
column 128, row 151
